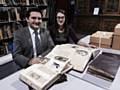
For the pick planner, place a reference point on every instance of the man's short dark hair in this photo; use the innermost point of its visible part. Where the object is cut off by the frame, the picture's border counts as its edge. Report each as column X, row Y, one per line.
column 33, row 9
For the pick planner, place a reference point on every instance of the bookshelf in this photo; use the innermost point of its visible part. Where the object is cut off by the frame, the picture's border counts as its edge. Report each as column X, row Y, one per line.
column 106, row 19
column 12, row 17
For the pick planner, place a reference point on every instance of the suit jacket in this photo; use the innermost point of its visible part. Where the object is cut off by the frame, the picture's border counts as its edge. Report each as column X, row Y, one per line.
column 23, row 48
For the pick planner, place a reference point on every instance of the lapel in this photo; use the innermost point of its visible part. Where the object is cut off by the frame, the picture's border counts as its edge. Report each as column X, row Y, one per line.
column 28, row 36
column 41, row 35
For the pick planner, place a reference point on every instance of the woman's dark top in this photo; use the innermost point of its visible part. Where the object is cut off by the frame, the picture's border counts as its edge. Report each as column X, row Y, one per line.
column 68, row 36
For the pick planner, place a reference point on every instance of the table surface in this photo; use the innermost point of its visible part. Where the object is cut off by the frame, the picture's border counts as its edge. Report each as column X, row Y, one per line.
column 12, row 82
column 75, row 81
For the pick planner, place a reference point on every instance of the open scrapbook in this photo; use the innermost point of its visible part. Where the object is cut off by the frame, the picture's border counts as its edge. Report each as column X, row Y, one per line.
column 42, row 76
column 79, row 55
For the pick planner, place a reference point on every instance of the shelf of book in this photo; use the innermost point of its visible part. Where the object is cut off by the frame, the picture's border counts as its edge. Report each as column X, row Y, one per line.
column 12, row 17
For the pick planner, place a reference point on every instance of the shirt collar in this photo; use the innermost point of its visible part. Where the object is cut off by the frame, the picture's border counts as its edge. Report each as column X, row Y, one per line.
column 32, row 31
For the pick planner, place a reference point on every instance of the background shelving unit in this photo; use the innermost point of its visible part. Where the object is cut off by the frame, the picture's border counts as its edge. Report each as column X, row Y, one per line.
column 12, row 17
column 107, row 18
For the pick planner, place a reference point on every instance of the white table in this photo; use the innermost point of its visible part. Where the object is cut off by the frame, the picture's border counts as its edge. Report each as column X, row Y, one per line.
column 12, row 82
column 75, row 80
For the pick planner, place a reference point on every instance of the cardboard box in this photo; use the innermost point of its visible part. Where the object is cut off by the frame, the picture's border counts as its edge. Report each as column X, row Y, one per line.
column 117, row 31
column 102, row 45
column 116, row 38
column 116, row 42
column 102, row 39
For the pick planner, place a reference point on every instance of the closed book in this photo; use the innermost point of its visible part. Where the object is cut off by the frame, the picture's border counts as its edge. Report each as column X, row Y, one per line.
column 105, row 66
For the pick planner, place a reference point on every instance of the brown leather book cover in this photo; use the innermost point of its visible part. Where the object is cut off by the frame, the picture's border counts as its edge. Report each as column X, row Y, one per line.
column 105, row 66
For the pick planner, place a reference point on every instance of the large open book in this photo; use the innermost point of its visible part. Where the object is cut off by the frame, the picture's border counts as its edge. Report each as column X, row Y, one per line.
column 105, row 66
column 42, row 76
column 79, row 55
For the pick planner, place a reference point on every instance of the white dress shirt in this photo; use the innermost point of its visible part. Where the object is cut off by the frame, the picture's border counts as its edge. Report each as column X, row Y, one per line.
column 33, row 39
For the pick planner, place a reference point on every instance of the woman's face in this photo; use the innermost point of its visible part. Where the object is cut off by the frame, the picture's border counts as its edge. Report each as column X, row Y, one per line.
column 60, row 18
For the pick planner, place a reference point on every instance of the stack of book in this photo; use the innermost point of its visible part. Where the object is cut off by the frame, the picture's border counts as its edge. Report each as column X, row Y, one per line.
column 14, row 2
column 105, row 66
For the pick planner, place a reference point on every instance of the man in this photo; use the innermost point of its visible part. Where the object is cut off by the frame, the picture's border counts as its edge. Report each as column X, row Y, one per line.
column 25, row 48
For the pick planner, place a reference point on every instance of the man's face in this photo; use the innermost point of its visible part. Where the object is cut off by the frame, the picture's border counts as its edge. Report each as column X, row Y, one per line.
column 60, row 18
column 34, row 20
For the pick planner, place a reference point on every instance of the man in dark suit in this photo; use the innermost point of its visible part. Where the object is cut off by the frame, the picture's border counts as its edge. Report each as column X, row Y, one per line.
column 25, row 51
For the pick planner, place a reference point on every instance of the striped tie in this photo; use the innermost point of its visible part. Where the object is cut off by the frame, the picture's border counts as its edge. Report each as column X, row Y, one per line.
column 37, row 43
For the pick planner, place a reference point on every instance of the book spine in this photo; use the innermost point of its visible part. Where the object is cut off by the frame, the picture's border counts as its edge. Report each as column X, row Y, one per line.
column 1, row 36
column 100, row 73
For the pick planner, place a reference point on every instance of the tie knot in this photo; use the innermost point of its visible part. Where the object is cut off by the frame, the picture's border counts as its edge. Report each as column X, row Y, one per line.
column 36, row 32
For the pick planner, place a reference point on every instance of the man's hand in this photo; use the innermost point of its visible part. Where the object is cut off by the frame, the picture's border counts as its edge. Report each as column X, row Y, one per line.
column 34, row 61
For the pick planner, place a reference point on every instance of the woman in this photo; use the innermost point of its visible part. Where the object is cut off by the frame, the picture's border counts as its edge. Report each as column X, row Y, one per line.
column 61, row 33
